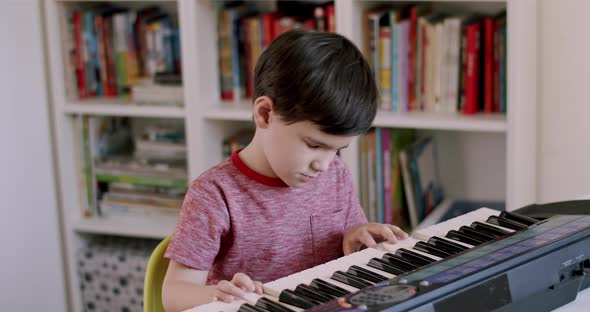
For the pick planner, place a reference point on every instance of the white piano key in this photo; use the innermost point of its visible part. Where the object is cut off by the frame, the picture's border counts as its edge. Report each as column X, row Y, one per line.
column 433, row 257
column 364, row 255
column 339, row 284
column 458, row 242
column 275, row 287
column 406, row 243
column 252, row 297
column 441, row 229
column 372, row 269
column 218, row 306
column 276, row 299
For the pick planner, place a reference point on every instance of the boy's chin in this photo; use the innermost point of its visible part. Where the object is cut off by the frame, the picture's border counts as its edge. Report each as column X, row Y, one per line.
column 296, row 182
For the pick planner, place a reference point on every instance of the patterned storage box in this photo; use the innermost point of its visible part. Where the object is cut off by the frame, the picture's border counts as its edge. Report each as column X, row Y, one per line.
column 112, row 271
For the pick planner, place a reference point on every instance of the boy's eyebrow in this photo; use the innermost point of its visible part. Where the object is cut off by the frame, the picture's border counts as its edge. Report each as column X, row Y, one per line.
column 322, row 144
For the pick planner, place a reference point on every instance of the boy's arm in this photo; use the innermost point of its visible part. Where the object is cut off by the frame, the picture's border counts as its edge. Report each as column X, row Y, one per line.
column 185, row 288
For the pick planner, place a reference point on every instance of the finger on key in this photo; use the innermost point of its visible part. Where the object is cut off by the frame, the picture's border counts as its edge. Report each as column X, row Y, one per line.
column 230, row 289
column 244, row 282
column 367, row 239
column 399, row 233
column 258, row 286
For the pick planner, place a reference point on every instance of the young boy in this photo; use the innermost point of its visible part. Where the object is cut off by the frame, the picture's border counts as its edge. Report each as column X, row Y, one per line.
column 286, row 202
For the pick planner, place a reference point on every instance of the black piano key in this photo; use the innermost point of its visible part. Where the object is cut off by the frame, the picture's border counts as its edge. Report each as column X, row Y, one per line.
column 475, row 233
column 366, row 274
column 441, row 242
column 326, row 287
column 414, row 257
column 513, row 225
column 311, row 293
column 350, row 280
column 498, row 232
column 323, row 292
column 290, row 297
column 518, row 218
column 399, row 262
column 436, row 244
column 271, row 306
column 384, row 266
column 456, row 235
column 246, row 307
column 429, row 249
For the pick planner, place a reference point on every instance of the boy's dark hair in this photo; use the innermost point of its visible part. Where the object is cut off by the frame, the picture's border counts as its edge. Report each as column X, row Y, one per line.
column 319, row 77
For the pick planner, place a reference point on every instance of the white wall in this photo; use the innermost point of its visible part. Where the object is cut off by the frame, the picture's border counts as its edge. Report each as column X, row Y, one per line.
column 31, row 271
column 564, row 112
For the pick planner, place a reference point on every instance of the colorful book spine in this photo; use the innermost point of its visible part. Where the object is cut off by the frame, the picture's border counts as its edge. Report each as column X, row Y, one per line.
column 385, row 67
column 472, row 69
column 379, row 173
column 395, row 62
column 386, row 172
column 404, row 62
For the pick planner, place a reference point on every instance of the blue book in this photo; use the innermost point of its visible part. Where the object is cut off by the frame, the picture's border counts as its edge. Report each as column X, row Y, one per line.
column 379, row 158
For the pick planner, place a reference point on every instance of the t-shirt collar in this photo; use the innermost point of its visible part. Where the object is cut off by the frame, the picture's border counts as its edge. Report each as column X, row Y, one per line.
column 237, row 161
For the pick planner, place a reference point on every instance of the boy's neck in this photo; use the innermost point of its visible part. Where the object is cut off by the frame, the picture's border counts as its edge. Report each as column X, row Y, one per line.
column 253, row 156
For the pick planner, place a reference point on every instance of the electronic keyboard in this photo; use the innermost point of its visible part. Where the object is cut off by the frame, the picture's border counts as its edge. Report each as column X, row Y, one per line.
column 485, row 260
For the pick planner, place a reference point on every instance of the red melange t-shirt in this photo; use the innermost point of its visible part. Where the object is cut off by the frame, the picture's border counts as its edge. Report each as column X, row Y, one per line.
column 236, row 220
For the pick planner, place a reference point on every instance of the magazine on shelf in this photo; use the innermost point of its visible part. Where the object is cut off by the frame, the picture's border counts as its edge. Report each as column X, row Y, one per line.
column 420, row 176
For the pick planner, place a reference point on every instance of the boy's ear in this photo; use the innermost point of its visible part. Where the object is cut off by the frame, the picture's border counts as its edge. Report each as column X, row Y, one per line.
column 262, row 111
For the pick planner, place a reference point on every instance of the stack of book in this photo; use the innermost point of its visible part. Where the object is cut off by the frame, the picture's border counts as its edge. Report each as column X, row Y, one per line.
column 243, row 33
column 109, row 48
column 425, row 60
column 132, row 174
column 400, row 181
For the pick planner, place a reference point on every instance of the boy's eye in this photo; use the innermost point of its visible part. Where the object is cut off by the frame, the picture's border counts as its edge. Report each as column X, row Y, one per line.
column 312, row 146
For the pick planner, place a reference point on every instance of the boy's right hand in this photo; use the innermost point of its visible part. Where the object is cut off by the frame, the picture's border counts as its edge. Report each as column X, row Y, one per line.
column 240, row 284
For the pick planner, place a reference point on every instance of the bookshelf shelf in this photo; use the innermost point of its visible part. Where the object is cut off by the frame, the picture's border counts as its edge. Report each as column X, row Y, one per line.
column 145, row 227
column 230, row 111
column 121, row 108
column 435, row 121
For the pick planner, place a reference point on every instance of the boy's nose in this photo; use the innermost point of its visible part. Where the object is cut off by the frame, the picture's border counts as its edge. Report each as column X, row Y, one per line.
column 321, row 165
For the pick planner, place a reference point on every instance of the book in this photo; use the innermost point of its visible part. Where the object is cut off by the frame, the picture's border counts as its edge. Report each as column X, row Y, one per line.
column 421, row 182
column 400, row 138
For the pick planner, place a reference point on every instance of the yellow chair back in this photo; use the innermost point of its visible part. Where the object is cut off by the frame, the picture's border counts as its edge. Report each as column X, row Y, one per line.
column 154, row 278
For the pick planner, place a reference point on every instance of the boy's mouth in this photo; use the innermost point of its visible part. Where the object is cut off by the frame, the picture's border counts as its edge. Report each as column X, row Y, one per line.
column 307, row 177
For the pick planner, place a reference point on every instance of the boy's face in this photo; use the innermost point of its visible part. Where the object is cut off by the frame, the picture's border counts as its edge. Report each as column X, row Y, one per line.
column 299, row 152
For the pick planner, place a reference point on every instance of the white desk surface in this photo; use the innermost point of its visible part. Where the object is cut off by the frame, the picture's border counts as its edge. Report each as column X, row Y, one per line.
column 582, row 303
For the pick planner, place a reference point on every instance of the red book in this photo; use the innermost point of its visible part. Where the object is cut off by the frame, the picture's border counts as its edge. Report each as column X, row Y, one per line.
column 488, row 45
column 98, row 24
column 268, row 28
column 472, row 69
column 330, row 18
column 421, row 102
column 79, row 59
column 111, row 77
column 496, row 69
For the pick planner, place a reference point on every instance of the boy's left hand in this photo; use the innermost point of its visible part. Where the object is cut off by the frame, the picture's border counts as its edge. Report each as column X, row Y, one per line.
column 369, row 234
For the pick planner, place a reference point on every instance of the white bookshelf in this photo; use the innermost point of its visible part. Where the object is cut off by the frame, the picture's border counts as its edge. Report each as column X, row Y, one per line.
column 145, row 227
column 114, row 108
column 436, row 121
column 488, row 157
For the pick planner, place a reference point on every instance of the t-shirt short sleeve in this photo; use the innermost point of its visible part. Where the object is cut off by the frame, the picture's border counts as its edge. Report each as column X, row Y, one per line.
column 202, row 224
